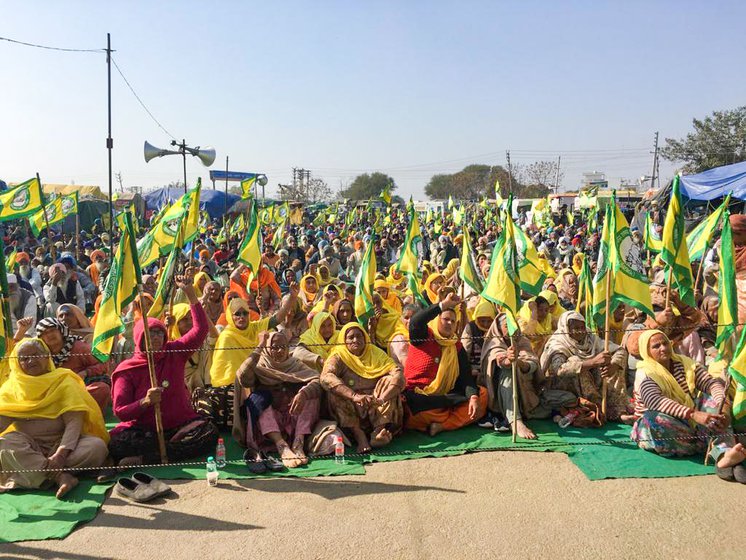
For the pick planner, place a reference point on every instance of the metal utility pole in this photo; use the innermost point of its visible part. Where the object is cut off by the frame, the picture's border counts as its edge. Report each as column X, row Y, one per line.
column 556, row 177
column 655, row 163
column 510, row 173
column 110, row 147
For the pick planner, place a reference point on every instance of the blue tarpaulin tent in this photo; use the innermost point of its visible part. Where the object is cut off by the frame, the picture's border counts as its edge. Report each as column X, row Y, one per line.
column 716, row 183
column 213, row 201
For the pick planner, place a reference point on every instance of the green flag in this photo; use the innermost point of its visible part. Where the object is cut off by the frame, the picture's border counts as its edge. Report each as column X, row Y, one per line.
column 468, row 270
column 364, row 285
column 728, row 308
column 700, row 237
column 674, row 252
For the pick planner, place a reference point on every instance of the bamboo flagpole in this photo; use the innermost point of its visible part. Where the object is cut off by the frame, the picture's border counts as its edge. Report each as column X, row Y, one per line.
column 77, row 236
column 607, row 333
column 514, row 373
column 151, row 372
column 52, row 249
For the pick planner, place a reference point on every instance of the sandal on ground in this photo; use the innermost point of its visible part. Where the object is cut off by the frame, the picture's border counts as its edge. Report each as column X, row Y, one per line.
column 160, row 487
column 273, row 464
column 254, row 461
column 726, row 473
column 134, row 490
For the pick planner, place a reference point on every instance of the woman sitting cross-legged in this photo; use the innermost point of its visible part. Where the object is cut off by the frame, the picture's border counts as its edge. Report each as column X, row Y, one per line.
column 54, row 423
column 442, row 393
column 364, row 387
column 187, row 434
column 670, row 414
column 291, row 392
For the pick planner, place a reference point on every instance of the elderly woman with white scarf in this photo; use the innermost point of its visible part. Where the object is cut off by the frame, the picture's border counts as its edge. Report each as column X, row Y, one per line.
column 574, row 360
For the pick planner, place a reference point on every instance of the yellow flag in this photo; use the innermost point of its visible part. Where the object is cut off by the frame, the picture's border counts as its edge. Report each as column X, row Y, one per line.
column 120, row 290
column 674, row 251
column 250, row 252
column 21, row 201
column 56, row 211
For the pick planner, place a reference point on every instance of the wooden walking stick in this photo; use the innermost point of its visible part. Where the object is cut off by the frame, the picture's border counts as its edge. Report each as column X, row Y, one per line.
column 153, row 378
column 607, row 333
column 514, row 374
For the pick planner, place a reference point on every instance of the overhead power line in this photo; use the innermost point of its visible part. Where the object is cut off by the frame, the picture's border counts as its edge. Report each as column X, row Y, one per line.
column 47, row 47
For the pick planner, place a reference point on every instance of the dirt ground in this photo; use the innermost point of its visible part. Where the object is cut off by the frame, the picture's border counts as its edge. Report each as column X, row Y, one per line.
column 487, row 505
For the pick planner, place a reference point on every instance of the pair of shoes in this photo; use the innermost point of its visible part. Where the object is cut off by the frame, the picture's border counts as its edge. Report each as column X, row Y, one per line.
column 259, row 463
column 739, row 473
column 725, row 473
column 141, row 487
column 487, row 421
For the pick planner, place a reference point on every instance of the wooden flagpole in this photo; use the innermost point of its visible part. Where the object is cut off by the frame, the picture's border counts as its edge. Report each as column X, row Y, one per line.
column 52, row 249
column 514, row 373
column 607, row 333
column 153, row 378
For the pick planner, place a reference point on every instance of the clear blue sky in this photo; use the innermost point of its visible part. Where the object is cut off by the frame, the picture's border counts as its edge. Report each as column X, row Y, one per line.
column 410, row 88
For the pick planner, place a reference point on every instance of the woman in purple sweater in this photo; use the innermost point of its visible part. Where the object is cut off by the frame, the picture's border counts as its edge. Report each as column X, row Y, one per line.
column 134, row 440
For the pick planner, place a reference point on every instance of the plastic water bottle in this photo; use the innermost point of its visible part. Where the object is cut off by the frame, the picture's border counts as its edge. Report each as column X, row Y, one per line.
column 220, row 454
column 568, row 418
column 212, row 472
column 339, row 450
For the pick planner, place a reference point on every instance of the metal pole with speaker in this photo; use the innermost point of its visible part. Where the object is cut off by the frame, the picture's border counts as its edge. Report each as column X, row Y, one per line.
column 205, row 155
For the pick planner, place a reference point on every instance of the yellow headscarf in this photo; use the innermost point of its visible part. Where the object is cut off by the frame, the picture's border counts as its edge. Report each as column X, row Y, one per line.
column 234, row 345
column 649, row 368
column 49, row 395
column 306, row 296
column 320, row 304
column 197, row 277
column 451, row 268
column 448, row 368
column 577, row 263
column 396, row 283
column 431, row 295
column 180, row 311
column 389, row 325
column 372, row 364
column 484, row 308
column 555, row 309
column 544, row 327
column 391, row 300
column 312, row 338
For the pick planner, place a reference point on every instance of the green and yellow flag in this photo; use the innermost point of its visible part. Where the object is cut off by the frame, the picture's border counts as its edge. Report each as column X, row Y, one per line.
column 451, row 204
column 728, row 308
column 468, row 270
column 166, row 279
column 532, row 270
column 21, row 201
column 238, row 225
column 56, row 211
column 10, row 260
column 737, row 372
column 190, row 202
column 698, row 240
column 585, row 294
column 408, row 262
column 120, row 289
column 628, row 285
column 364, row 285
column 250, row 252
column 386, row 195
column 674, row 252
column 247, row 186
column 503, row 286
column 652, row 240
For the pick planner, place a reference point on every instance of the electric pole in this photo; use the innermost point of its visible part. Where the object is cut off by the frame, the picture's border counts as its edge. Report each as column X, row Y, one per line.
column 510, row 173
column 655, row 163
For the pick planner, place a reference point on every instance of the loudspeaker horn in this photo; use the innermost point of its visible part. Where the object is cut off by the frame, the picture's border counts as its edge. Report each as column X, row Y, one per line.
column 206, row 156
column 151, row 152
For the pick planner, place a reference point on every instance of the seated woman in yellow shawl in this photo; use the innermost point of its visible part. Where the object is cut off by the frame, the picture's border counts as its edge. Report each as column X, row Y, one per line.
column 241, row 336
column 364, row 387
column 309, row 291
column 433, row 284
column 397, row 281
column 670, row 414
column 47, row 421
column 474, row 332
column 318, row 341
column 330, row 295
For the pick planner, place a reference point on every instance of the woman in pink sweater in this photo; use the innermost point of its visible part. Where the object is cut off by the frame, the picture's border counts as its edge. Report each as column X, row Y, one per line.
column 187, row 434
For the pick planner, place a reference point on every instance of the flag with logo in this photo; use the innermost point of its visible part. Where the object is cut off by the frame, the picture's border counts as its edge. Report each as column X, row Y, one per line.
column 503, row 286
column 468, row 270
column 21, row 201
column 120, row 289
column 56, row 211
column 674, row 251
column 652, row 239
column 728, row 308
column 364, row 284
column 166, row 277
column 698, row 240
column 532, row 270
column 247, row 186
column 627, row 285
column 250, row 252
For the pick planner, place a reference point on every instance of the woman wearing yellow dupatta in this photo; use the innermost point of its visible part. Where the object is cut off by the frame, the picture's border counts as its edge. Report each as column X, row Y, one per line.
column 442, row 393
column 331, row 295
column 241, row 336
column 433, row 284
column 364, row 387
column 536, row 321
column 382, row 288
column 309, row 291
column 473, row 335
column 397, row 281
column 318, row 341
column 200, row 280
column 669, row 413
column 48, row 421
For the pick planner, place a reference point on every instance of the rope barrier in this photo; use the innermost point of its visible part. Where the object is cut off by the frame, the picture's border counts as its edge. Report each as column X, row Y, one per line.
column 526, row 446
column 330, row 344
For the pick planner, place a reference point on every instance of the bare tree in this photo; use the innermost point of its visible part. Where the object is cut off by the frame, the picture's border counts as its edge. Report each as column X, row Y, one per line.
column 544, row 174
column 311, row 191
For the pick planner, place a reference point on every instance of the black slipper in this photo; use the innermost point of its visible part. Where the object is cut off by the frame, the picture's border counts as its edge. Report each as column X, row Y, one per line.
column 254, row 461
column 739, row 473
column 726, row 473
column 272, row 463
